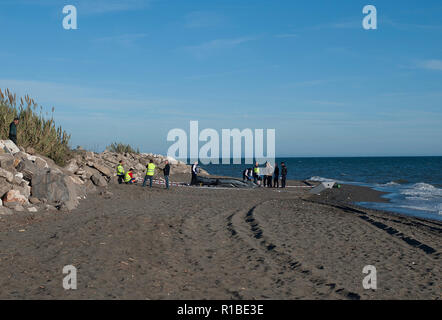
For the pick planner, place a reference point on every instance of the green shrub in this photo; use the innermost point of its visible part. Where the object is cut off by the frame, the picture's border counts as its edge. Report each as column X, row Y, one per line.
column 121, row 148
column 34, row 130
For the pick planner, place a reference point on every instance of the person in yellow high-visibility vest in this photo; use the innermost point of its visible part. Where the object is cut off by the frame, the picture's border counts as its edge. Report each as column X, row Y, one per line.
column 120, row 172
column 256, row 173
column 149, row 173
column 128, row 177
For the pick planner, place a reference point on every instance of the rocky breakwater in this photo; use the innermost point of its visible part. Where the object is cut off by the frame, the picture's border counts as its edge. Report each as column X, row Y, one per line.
column 31, row 183
column 100, row 168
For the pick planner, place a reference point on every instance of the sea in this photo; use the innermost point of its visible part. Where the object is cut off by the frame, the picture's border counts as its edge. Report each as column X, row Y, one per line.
column 413, row 184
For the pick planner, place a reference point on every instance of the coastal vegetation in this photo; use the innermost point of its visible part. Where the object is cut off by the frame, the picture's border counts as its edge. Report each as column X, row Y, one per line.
column 36, row 129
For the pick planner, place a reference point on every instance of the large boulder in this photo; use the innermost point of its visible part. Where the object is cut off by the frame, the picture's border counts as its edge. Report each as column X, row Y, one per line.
column 103, row 169
column 99, row 180
column 55, row 188
column 29, row 169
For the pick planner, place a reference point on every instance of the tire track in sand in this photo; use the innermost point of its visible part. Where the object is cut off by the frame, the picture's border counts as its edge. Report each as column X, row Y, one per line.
column 246, row 227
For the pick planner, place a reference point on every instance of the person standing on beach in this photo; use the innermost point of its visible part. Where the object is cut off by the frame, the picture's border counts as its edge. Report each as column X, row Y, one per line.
column 149, row 173
column 249, row 174
column 256, row 173
column 244, row 174
column 195, row 170
column 276, row 177
column 13, row 130
column 166, row 172
column 268, row 176
column 283, row 174
column 120, row 172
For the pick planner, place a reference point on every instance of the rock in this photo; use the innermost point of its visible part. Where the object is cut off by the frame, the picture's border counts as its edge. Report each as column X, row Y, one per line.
column 34, row 200
column 80, row 172
column 14, row 196
column 89, row 172
column 76, row 180
column 17, row 180
column 72, row 166
column 18, row 208
column 7, row 162
column 40, row 163
column 99, row 180
column 28, row 169
column 103, row 169
column 30, row 150
column 5, row 211
column 32, row 209
column 89, row 156
column 69, row 205
column 172, row 161
column 24, row 189
column 7, row 175
column 4, row 186
column 9, row 147
column 89, row 186
column 50, row 208
column 55, row 187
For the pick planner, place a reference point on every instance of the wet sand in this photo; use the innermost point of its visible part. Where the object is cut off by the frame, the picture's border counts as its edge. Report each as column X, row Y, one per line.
column 201, row 243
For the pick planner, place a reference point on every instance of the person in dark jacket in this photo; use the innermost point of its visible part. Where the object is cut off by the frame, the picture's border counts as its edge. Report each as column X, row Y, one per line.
column 283, row 174
column 276, row 177
column 13, row 130
column 195, row 170
column 166, row 172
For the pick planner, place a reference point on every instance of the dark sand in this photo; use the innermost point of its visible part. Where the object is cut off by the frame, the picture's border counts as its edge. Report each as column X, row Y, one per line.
column 200, row 243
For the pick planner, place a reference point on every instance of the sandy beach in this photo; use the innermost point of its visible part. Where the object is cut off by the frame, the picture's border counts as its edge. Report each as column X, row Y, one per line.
column 206, row 243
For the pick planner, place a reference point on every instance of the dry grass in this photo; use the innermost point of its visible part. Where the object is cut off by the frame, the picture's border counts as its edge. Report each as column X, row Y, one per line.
column 34, row 129
column 121, row 148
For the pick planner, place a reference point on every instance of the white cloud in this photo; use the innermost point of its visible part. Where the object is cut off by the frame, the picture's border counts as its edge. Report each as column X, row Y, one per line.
column 123, row 40
column 203, row 19
column 287, row 35
column 431, row 64
column 217, row 44
column 90, row 6
column 105, row 6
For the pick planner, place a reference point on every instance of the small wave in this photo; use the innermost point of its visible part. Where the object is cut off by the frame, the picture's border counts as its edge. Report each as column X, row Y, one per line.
column 422, row 190
column 388, row 184
column 321, row 179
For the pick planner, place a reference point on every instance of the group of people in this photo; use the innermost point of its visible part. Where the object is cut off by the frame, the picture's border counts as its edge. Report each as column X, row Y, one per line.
column 128, row 177
column 269, row 179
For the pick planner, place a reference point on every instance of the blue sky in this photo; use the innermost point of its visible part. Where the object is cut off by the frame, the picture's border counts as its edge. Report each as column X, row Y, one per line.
column 136, row 69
